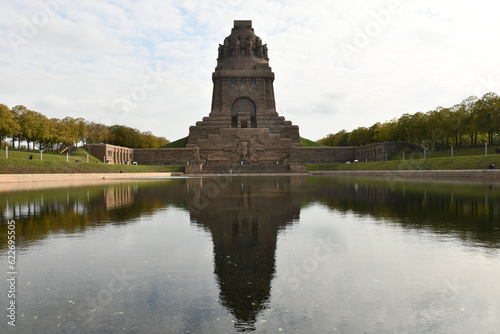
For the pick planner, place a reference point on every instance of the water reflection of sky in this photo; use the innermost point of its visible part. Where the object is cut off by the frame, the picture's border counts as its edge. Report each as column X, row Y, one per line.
column 265, row 255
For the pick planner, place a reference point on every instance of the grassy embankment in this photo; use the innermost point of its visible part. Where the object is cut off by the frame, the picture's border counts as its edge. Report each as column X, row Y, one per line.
column 18, row 163
column 309, row 143
column 181, row 143
column 466, row 158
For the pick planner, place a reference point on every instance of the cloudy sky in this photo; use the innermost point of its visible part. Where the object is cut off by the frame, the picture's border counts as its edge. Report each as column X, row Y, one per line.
column 339, row 64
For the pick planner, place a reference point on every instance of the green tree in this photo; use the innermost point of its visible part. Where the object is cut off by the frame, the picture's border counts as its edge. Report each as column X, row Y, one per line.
column 82, row 130
column 469, row 118
column 338, row 139
column 388, row 131
column 17, row 111
column 97, row 133
column 162, row 141
column 437, row 127
column 8, row 123
column 360, row 136
column 69, row 130
column 32, row 126
column 486, row 112
column 122, row 135
column 42, row 130
column 55, row 137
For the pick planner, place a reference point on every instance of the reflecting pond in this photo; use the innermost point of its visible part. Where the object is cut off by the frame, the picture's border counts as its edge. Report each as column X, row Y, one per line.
column 304, row 254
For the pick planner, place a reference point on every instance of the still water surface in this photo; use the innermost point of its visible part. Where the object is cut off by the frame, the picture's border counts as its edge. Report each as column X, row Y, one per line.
column 255, row 254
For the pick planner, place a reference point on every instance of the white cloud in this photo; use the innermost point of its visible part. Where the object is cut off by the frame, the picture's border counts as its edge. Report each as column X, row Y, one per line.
column 88, row 54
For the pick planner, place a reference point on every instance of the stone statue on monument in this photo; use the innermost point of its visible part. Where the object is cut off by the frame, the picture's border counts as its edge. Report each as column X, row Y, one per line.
column 244, row 149
column 237, row 47
column 250, row 47
column 226, row 48
column 259, row 47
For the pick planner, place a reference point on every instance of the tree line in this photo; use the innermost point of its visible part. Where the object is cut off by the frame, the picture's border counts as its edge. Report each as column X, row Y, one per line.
column 25, row 125
column 472, row 122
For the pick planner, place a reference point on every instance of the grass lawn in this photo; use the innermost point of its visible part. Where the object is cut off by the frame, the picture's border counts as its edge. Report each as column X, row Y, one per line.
column 179, row 143
column 464, row 162
column 446, row 153
column 18, row 163
column 309, row 143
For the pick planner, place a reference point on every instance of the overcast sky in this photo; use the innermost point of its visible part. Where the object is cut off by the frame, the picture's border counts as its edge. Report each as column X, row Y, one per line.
column 339, row 64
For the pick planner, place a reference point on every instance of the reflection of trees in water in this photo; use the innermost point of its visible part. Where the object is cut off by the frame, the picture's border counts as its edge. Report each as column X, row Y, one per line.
column 469, row 212
column 72, row 210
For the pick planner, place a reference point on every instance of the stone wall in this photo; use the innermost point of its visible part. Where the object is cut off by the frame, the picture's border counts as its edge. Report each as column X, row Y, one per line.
column 166, row 156
column 231, row 146
column 255, row 151
column 321, row 155
column 378, row 152
column 230, row 85
column 340, row 154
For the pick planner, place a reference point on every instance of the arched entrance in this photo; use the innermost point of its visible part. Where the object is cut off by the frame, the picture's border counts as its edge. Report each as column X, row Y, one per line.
column 243, row 110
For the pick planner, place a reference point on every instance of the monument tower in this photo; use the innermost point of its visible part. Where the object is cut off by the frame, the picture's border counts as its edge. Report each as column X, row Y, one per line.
column 243, row 126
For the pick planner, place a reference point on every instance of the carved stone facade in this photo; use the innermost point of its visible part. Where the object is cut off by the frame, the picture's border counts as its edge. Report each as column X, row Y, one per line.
column 111, row 154
column 243, row 125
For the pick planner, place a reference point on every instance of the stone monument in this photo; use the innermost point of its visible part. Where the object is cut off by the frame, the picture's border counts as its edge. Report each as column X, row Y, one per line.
column 243, row 126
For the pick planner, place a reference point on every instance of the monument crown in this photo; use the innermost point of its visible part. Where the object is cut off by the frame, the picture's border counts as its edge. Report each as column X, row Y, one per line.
column 242, row 43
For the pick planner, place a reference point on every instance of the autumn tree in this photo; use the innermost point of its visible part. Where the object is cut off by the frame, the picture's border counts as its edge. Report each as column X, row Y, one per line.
column 8, row 123
column 97, row 133
column 122, row 135
column 82, row 130
column 338, row 139
column 486, row 115
column 33, row 126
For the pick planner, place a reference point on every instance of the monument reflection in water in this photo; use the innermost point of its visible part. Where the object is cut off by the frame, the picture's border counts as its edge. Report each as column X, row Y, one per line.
column 244, row 218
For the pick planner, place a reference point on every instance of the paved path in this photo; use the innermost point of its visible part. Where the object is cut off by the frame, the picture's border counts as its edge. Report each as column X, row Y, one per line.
column 465, row 175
